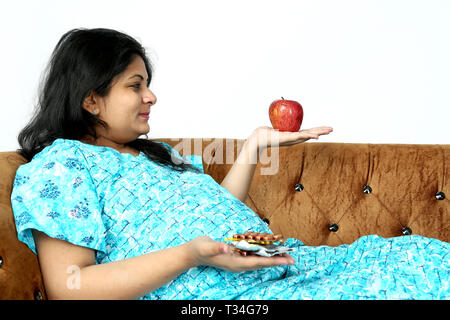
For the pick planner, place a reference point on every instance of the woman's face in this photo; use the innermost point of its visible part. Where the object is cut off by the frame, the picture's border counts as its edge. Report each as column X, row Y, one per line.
column 126, row 107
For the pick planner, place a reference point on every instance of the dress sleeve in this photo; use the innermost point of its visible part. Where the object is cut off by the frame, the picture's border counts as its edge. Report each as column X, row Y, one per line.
column 55, row 194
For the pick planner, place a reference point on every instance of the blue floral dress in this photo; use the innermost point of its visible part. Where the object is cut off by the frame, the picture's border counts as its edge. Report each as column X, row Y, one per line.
column 123, row 206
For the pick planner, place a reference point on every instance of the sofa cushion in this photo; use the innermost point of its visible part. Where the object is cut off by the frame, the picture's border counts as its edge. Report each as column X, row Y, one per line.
column 348, row 189
column 352, row 190
column 20, row 276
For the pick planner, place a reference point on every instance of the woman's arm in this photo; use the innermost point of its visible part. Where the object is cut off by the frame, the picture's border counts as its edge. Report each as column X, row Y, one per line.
column 70, row 272
column 238, row 179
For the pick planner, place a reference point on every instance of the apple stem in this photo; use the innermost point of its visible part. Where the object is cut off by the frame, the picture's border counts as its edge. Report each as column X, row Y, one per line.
column 282, row 98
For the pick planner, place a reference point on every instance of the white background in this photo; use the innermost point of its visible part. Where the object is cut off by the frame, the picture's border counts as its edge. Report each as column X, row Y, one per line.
column 376, row 71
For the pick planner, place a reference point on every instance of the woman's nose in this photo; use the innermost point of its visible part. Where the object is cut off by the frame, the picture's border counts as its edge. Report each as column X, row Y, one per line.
column 149, row 97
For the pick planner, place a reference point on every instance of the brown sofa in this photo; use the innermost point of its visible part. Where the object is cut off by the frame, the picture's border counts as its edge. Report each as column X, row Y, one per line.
column 322, row 193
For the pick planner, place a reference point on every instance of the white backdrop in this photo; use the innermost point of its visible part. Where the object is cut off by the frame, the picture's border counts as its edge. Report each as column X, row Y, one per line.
column 376, row 71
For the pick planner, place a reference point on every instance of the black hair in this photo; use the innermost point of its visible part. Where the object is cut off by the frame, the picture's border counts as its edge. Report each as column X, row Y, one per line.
column 85, row 61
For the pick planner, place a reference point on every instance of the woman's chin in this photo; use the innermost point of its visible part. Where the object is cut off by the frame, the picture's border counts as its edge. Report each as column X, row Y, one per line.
column 144, row 129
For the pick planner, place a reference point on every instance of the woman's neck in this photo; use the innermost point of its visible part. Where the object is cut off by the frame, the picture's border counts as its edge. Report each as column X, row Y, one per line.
column 105, row 142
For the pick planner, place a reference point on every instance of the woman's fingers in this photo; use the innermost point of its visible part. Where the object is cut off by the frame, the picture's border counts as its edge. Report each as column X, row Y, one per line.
column 254, row 262
column 292, row 138
column 224, row 256
column 317, row 131
column 266, row 136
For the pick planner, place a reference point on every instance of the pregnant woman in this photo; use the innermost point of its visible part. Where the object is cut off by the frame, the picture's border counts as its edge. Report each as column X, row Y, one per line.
column 113, row 216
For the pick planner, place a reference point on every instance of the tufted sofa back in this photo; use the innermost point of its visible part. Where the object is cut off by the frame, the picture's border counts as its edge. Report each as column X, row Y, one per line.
column 334, row 193
column 320, row 193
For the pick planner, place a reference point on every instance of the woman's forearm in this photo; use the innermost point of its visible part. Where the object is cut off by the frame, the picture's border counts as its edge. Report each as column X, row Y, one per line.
column 129, row 278
column 239, row 178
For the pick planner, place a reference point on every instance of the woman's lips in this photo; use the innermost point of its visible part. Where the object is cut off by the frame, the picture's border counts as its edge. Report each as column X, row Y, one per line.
column 144, row 115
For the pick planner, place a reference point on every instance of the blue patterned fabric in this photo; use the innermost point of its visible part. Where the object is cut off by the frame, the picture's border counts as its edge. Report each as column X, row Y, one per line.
column 124, row 206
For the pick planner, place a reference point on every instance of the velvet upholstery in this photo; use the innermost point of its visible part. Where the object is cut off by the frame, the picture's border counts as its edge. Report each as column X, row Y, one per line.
column 20, row 276
column 316, row 195
column 404, row 180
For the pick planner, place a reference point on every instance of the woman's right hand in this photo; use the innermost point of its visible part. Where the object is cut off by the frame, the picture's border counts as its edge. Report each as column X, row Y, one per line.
column 207, row 252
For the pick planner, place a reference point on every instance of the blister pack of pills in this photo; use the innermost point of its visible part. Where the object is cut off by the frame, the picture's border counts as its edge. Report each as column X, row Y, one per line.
column 262, row 244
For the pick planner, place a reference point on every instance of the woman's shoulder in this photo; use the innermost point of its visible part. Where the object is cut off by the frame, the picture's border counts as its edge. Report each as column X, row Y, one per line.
column 62, row 151
column 59, row 149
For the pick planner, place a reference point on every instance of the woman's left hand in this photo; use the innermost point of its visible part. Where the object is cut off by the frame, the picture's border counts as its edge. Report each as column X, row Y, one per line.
column 268, row 137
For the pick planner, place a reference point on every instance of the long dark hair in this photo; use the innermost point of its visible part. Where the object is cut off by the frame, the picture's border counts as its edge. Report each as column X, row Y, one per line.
column 85, row 61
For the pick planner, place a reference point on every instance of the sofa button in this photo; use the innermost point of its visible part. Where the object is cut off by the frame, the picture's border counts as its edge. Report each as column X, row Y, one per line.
column 266, row 220
column 298, row 187
column 1, row 261
column 37, row 295
column 333, row 227
column 367, row 190
column 440, row 195
column 406, row 231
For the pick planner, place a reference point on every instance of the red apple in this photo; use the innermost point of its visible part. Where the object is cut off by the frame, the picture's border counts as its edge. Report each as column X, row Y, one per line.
column 286, row 115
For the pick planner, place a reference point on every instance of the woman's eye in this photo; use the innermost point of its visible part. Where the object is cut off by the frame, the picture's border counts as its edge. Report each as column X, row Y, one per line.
column 137, row 85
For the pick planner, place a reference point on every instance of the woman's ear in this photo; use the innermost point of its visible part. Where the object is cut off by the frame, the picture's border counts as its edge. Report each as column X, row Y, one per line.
column 90, row 104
